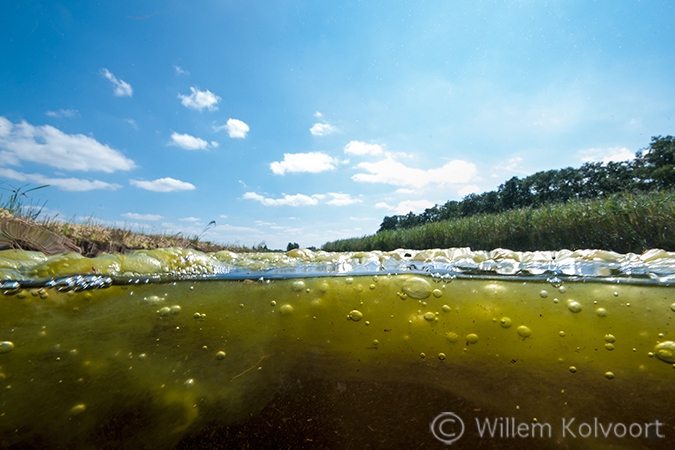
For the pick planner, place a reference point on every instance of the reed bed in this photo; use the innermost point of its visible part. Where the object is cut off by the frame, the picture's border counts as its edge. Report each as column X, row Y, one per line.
column 621, row 222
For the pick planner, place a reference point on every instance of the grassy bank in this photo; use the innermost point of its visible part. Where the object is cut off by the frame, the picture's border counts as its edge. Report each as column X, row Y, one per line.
column 621, row 222
column 91, row 239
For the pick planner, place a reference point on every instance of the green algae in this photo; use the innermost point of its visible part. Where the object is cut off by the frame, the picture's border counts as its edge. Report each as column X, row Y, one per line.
column 153, row 365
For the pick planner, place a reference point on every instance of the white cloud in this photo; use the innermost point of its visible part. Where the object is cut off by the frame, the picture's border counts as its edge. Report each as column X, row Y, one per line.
column 470, row 189
column 286, row 200
column 235, row 128
column 136, row 216
column 65, row 184
column 313, row 162
column 190, row 219
column 188, row 142
column 122, row 88
column 606, row 155
column 405, row 191
column 393, row 172
column 318, row 115
column 340, row 199
column 200, row 99
column 48, row 145
column 163, row 185
column 361, row 148
column 322, row 129
column 63, row 113
column 132, row 122
column 180, row 70
column 416, row 206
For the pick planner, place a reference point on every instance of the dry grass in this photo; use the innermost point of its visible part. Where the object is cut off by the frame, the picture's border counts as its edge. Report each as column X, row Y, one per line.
column 52, row 236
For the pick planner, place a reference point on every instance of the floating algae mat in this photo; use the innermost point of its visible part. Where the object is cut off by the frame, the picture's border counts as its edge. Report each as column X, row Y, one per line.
column 413, row 349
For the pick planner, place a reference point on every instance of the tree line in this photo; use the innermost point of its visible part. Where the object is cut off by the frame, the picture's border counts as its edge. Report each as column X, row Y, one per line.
column 652, row 169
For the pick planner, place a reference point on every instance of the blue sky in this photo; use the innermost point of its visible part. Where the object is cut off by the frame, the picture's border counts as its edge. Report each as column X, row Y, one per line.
column 307, row 121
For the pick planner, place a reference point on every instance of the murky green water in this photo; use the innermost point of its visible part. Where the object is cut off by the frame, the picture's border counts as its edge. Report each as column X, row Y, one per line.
column 176, row 349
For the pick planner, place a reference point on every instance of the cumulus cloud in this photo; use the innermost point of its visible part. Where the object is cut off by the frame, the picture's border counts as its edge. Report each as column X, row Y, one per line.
column 188, row 142
column 404, row 207
column 339, row 199
column 361, row 148
column 335, row 199
column 313, row 162
column 322, row 129
column 200, row 99
column 235, row 128
column 390, row 171
column 63, row 113
column 122, row 88
column 163, row 185
column 470, row 189
column 48, row 145
column 606, row 155
column 64, row 184
column 286, row 200
column 136, row 216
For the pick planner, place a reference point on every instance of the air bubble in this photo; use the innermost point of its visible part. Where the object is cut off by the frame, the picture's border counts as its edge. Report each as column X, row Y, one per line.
column 429, row 316
column 573, row 369
column 298, row 286
column 543, row 293
column 524, row 331
column 6, row 346
column 574, row 306
column 285, row 309
column 561, row 333
column 355, row 315
column 555, row 282
column 165, row 311
column 609, row 346
column 220, row 355
column 349, row 280
column 562, row 289
column 610, row 338
column 505, row 322
column 609, row 375
column 78, row 409
column 190, row 382
column 665, row 351
column 273, row 303
column 672, row 307
column 376, row 343
column 372, row 286
column 441, row 356
column 601, row 312
column 175, row 309
column 416, row 287
column 437, row 293
column 452, row 337
column 471, row 338
column 422, row 355
column 445, row 308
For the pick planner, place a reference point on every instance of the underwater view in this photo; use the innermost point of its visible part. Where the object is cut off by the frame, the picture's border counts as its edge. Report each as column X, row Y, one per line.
column 175, row 348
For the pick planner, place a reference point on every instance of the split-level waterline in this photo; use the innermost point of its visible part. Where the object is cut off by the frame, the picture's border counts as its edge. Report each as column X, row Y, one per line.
column 178, row 349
